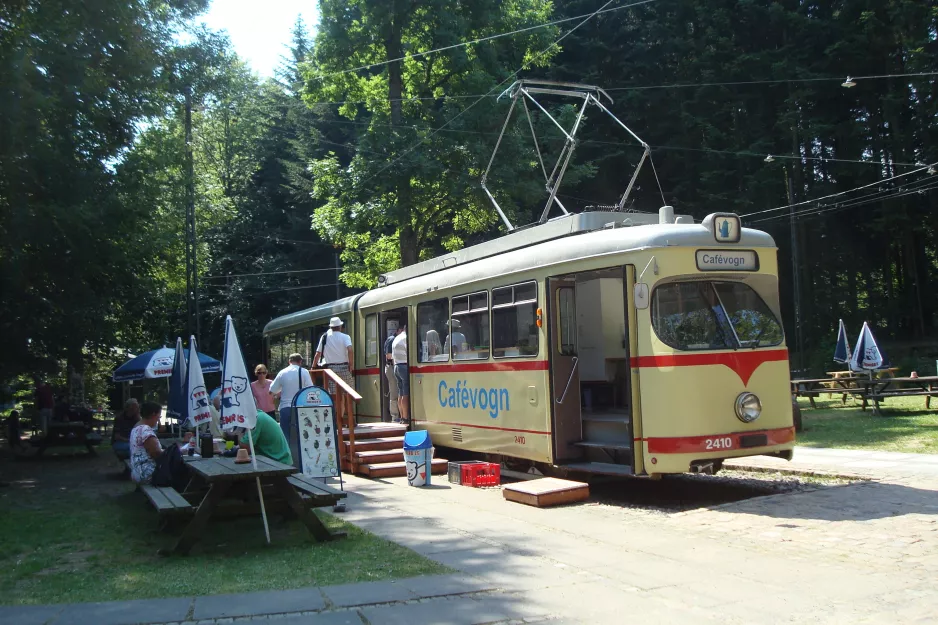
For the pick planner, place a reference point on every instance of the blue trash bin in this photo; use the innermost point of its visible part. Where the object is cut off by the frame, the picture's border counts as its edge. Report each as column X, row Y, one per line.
column 418, row 457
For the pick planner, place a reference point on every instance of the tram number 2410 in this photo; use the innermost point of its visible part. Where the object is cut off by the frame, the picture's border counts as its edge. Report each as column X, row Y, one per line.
column 724, row 442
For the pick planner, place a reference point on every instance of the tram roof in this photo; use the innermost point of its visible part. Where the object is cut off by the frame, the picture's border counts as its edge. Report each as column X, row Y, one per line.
column 559, row 251
column 322, row 311
column 562, row 251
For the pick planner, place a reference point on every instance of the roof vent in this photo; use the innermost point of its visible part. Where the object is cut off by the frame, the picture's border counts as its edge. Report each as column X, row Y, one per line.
column 666, row 215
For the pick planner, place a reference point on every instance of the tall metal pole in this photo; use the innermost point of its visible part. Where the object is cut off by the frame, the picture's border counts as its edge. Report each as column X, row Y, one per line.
column 796, row 277
column 189, row 208
column 192, row 272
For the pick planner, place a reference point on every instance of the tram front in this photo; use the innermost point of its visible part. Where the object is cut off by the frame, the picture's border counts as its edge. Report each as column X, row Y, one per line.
column 712, row 365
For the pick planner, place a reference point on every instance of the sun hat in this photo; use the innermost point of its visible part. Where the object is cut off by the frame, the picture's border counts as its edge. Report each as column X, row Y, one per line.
column 453, row 323
column 335, row 322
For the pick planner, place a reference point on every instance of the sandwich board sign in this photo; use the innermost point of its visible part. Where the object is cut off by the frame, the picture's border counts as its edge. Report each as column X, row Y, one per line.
column 318, row 434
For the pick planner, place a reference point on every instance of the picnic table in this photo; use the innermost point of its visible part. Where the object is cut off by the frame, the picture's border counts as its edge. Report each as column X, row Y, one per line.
column 814, row 387
column 888, row 372
column 876, row 390
column 66, row 434
column 281, row 485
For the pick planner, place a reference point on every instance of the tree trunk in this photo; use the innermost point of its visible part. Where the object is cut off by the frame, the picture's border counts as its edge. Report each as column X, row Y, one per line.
column 76, row 375
column 407, row 238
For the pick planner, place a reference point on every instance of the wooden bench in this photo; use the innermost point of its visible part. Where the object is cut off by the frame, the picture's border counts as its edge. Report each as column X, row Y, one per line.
column 319, row 491
column 166, row 499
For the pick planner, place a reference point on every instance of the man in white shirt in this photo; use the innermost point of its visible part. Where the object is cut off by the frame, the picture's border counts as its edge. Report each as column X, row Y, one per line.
column 285, row 386
column 399, row 355
column 335, row 352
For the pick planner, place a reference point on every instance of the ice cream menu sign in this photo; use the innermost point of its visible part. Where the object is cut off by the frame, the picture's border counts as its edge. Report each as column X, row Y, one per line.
column 318, row 434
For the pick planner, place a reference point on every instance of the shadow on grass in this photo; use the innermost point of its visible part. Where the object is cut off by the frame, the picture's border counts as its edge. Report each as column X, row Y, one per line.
column 71, row 532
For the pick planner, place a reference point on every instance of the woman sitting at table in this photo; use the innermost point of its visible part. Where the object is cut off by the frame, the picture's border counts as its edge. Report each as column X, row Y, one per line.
column 149, row 463
column 145, row 448
column 123, row 425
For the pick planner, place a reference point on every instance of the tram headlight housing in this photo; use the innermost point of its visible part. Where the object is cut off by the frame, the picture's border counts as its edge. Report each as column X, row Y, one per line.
column 748, row 407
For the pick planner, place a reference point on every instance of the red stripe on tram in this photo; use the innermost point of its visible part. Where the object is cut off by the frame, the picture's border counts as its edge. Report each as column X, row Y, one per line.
column 692, row 444
column 484, row 427
column 527, row 365
column 743, row 363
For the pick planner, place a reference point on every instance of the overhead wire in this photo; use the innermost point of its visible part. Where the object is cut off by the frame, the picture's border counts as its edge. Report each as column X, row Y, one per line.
column 474, row 41
column 625, row 88
column 760, row 155
column 839, row 193
column 498, row 86
column 265, row 273
column 917, row 186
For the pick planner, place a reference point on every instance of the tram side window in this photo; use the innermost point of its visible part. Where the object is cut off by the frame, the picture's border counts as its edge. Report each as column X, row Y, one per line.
column 277, row 355
column 469, row 338
column 432, row 330
column 371, row 340
column 514, row 321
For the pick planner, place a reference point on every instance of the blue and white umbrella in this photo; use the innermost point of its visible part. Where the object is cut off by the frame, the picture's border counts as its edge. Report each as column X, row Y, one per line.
column 867, row 356
column 842, row 351
column 158, row 363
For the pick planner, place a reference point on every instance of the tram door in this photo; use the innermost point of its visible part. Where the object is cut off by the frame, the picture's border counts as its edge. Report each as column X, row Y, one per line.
column 564, row 369
column 388, row 323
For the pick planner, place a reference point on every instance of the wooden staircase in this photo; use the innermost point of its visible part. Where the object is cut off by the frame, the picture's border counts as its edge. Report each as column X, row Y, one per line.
column 372, row 449
column 378, row 451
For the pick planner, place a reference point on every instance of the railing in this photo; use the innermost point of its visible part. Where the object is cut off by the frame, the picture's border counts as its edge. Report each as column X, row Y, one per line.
column 345, row 398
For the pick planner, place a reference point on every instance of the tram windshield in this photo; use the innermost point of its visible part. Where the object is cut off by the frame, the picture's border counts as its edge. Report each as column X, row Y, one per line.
column 713, row 315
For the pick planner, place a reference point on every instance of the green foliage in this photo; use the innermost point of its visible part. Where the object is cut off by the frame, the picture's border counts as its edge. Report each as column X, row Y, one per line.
column 73, row 84
column 405, row 181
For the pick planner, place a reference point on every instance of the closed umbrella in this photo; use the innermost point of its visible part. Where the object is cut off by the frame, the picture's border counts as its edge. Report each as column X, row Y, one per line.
column 867, row 356
column 842, row 351
column 176, row 406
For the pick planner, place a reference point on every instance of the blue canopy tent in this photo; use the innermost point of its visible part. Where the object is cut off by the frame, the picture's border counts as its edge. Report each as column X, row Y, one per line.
column 158, row 363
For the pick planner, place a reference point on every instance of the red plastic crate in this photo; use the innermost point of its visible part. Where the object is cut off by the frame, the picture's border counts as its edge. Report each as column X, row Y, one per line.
column 481, row 474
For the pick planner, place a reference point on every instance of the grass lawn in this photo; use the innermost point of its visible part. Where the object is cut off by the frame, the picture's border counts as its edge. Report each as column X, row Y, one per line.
column 905, row 425
column 74, row 533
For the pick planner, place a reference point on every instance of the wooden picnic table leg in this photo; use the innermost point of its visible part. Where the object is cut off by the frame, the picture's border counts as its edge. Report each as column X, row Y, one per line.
column 319, row 531
column 197, row 525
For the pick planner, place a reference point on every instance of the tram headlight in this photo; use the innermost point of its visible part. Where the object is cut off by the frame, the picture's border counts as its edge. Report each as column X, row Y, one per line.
column 748, row 407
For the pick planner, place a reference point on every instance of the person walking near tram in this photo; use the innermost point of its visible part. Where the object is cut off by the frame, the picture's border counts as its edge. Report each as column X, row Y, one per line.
column 286, row 385
column 399, row 353
column 389, row 374
column 335, row 352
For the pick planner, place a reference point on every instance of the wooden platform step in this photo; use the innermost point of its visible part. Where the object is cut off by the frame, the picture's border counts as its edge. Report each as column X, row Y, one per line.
column 397, row 469
column 379, row 456
column 365, row 431
column 373, row 444
column 546, row 491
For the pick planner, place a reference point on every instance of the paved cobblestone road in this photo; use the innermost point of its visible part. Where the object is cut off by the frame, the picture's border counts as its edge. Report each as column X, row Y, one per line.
column 865, row 552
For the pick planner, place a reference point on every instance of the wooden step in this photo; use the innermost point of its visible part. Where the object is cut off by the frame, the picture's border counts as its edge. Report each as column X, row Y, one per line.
column 546, row 491
column 375, row 430
column 603, row 468
column 374, row 444
column 397, row 469
column 602, row 445
column 379, row 456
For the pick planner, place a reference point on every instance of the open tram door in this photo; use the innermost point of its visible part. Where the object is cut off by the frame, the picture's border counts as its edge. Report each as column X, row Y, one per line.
column 388, row 323
column 591, row 335
column 567, row 426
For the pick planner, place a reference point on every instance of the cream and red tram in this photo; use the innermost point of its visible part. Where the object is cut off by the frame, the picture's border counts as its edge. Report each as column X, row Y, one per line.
column 608, row 343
